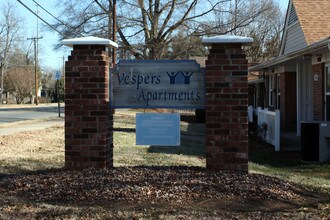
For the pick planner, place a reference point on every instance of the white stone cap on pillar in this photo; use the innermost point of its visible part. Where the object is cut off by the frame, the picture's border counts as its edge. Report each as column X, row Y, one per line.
column 227, row 39
column 89, row 41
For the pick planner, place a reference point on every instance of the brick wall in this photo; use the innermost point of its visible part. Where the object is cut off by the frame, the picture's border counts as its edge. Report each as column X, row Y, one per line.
column 226, row 108
column 318, row 92
column 88, row 119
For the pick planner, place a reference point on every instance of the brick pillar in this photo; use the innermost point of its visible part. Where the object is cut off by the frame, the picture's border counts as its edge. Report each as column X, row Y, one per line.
column 88, row 118
column 226, row 104
column 318, row 92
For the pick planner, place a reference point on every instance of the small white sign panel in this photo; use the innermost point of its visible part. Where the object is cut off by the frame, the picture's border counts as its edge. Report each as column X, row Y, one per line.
column 158, row 129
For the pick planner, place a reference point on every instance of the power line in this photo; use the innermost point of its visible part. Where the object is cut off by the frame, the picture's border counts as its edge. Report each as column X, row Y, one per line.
column 45, row 40
column 42, row 19
column 48, row 12
column 66, row 25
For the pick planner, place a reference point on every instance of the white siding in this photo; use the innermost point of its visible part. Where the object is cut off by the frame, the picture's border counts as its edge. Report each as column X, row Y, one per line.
column 295, row 39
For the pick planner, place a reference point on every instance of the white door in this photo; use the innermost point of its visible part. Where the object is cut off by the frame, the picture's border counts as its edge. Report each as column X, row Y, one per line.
column 305, row 93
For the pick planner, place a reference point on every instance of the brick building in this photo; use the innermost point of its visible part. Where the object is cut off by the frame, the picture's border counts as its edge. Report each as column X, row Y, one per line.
column 297, row 82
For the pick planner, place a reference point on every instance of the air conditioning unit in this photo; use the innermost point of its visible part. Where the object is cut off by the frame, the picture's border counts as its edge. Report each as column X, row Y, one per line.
column 315, row 141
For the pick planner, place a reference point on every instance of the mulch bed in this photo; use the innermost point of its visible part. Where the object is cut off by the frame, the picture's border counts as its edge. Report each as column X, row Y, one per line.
column 192, row 187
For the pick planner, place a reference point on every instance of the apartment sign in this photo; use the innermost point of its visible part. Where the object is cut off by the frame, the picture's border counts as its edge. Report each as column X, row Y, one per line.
column 157, row 84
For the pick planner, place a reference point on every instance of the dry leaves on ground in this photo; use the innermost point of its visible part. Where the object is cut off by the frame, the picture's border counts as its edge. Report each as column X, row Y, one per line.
column 152, row 184
column 189, row 189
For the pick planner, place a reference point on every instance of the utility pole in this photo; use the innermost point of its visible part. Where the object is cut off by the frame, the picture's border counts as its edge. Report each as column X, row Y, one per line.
column 58, row 77
column 114, row 29
column 2, row 75
column 63, row 73
column 35, row 41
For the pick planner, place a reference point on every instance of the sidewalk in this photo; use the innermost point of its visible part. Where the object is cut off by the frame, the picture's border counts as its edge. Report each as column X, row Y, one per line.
column 30, row 125
column 30, row 106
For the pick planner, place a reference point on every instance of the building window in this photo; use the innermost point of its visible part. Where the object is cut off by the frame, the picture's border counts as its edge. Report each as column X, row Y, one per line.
column 272, row 90
column 278, row 94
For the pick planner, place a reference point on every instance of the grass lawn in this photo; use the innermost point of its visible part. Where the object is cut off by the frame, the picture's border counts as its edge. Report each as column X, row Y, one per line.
column 152, row 182
column 288, row 166
column 262, row 157
column 191, row 152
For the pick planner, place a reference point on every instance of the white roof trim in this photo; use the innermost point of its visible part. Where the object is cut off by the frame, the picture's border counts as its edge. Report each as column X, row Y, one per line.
column 222, row 39
column 286, row 26
column 308, row 49
column 89, row 41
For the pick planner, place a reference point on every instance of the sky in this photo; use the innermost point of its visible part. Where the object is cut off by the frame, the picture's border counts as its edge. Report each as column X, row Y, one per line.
column 283, row 4
column 47, row 55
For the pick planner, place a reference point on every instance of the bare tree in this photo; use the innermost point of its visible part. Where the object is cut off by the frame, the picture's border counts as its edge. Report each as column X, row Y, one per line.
column 259, row 19
column 21, row 56
column 19, row 81
column 10, row 27
column 18, row 75
column 146, row 29
column 185, row 46
column 266, row 31
column 49, row 85
column 235, row 16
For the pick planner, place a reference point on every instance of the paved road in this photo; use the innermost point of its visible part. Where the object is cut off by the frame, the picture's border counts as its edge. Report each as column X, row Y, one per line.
column 12, row 128
column 17, row 114
column 14, row 119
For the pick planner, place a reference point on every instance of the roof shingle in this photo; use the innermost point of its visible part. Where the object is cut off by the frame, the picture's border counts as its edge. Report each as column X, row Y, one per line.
column 314, row 18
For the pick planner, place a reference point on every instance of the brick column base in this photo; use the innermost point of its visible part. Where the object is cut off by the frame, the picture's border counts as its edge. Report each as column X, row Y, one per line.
column 226, row 108
column 88, row 118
